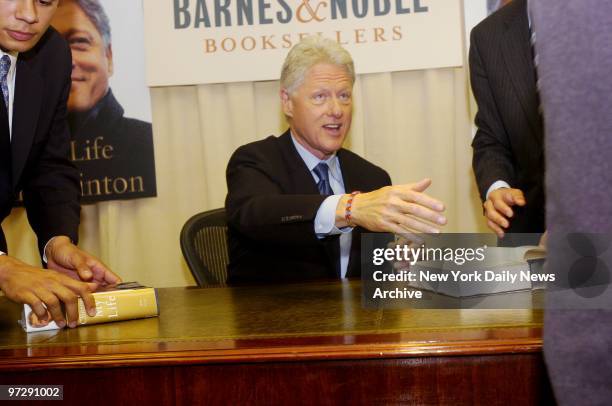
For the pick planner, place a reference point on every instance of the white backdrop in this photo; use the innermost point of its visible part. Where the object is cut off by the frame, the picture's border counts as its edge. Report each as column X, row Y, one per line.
column 128, row 81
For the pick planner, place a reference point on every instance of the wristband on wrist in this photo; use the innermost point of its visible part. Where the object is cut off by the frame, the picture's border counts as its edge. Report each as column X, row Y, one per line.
column 347, row 209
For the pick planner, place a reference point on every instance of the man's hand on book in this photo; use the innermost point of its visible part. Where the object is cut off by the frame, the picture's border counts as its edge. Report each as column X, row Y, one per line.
column 498, row 208
column 65, row 257
column 45, row 291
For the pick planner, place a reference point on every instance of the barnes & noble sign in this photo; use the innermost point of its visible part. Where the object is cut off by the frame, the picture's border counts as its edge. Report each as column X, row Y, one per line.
column 212, row 41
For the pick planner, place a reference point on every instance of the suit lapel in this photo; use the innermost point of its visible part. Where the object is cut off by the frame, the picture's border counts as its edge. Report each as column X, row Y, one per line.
column 26, row 108
column 298, row 171
column 518, row 56
column 348, row 172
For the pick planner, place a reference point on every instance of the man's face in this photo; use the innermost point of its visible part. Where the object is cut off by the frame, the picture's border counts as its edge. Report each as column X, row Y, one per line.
column 92, row 61
column 23, row 22
column 320, row 109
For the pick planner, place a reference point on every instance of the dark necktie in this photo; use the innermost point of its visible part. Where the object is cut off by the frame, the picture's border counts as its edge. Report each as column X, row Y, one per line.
column 5, row 66
column 322, row 172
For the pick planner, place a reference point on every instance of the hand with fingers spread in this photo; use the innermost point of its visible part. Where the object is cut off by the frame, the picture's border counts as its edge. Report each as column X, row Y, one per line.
column 498, row 208
column 45, row 291
column 72, row 273
column 398, row 209
column 65, row 257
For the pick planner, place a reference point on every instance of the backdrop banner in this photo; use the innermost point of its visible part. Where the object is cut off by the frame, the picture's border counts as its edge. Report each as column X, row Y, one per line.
column 109, row 108
column 218, row 41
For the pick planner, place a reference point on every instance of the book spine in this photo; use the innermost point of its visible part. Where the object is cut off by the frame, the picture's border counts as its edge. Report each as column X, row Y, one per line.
column 121, row 305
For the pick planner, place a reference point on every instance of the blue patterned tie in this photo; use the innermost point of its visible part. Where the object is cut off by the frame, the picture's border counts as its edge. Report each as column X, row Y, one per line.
column 5, row 66
column 322, row 171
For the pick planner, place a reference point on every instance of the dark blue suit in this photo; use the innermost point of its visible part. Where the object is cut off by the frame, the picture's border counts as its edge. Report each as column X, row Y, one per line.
column 271, row 205
column 39, row 150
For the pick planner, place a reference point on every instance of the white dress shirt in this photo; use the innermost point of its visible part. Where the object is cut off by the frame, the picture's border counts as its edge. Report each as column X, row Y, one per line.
column 498, row 184
column 325, row 220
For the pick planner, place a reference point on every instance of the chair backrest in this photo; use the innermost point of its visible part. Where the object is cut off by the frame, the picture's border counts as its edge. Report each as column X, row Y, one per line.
column 204, row 246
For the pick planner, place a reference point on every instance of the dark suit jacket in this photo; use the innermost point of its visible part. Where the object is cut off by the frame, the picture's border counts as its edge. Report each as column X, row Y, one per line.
column 40, row 143
column 509, row 142
column 132, row 155
column 271, row 205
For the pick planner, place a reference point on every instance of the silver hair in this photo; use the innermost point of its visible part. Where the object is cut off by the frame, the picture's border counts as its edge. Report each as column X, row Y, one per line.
column 96, row 14
column 310, row 51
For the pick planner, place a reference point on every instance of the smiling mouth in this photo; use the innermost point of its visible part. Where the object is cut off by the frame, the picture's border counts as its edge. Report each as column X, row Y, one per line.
column 333, row 127
column 333, row 130
column 20, row 35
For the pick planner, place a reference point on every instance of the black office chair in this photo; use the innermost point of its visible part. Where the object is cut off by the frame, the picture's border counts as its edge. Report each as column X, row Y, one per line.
column 204, row 246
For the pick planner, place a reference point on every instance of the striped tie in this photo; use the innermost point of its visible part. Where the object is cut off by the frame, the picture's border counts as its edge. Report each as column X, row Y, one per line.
column 322, row 172
column 5, row 66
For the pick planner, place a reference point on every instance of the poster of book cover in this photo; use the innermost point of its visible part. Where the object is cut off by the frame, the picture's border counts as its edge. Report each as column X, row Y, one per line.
column 109, row 111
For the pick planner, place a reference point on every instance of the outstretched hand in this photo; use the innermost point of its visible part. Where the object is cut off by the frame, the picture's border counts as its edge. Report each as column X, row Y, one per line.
column 398, row 209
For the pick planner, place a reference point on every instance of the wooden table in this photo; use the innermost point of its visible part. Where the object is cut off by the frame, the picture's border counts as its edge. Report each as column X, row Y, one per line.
column 304, row 344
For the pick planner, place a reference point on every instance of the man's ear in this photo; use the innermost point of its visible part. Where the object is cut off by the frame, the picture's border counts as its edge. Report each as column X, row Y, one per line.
column 109, row 58
column 286, row 102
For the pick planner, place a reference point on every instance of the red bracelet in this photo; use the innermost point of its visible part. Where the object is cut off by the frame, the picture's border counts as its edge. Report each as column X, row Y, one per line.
column 349, row 204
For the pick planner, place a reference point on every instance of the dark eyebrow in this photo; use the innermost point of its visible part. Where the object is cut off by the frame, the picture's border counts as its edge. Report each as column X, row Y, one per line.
column 75, row 31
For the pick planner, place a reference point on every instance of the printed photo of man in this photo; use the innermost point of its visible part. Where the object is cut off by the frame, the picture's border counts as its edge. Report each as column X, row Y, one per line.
column 114, row 153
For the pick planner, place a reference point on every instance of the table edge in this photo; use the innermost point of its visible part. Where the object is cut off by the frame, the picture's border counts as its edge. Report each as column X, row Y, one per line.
column 276, row 354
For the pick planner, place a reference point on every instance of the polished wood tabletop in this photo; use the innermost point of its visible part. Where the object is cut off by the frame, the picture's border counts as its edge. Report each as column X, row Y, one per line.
column 314, row 321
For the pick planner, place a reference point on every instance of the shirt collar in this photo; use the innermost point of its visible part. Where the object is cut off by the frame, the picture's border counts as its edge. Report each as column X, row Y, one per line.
column 311, row 161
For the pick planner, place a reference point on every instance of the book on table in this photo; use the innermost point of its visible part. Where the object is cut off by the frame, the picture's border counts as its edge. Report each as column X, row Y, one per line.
column 124, row 301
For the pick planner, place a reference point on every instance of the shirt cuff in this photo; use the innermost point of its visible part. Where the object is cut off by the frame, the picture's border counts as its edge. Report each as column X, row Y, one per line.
column 44, row 257
column 325, row 221
column 498, row 184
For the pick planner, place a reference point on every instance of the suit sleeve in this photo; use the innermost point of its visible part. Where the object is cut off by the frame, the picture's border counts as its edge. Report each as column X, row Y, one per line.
column 492, row 159
column 259, row 208
column 51, row 191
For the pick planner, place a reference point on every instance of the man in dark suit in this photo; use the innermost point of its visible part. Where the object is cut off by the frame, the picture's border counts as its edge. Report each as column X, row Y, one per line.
column 94, row 114
column 34, row 158
column 293, row 209
column 508, row 147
